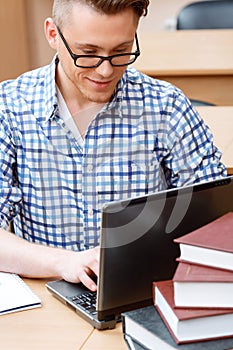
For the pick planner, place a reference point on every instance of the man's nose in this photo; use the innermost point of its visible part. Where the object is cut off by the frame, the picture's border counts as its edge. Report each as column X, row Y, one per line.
column 105, row 69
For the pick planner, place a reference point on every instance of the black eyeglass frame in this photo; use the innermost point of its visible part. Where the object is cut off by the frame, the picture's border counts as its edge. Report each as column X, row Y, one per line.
column 75, row 57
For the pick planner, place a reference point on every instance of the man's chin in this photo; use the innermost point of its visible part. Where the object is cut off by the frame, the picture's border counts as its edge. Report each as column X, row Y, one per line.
column 99, row 98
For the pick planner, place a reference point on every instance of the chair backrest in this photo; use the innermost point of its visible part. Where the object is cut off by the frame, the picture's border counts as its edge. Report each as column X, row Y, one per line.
column 201, row 103
column 210, row 14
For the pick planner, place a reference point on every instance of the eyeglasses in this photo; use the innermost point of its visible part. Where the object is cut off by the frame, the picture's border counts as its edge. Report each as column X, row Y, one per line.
column 93, row 61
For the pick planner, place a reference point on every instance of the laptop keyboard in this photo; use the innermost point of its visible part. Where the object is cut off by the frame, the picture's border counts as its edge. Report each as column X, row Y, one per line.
column 87, row 301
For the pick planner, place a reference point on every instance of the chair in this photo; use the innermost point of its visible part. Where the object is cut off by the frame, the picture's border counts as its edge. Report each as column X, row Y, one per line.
column 201, row 103
column 212, row 14
column 209, row 14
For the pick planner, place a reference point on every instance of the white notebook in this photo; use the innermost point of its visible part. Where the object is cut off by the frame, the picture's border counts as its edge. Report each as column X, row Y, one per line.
column 15, row 294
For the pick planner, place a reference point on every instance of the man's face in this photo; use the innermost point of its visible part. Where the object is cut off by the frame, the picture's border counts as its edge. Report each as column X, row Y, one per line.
column 93, row 33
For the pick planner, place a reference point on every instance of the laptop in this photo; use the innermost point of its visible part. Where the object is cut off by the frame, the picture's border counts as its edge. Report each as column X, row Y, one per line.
column 137, row 247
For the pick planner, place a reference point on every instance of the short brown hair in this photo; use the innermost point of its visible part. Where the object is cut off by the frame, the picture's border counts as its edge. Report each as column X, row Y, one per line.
column 62, row 8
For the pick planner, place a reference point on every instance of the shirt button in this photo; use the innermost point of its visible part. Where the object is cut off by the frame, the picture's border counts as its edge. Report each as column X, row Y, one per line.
column 90, row 210
column 89, row 167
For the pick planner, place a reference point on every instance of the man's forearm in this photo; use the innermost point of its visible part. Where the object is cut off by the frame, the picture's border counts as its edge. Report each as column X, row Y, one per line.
column 37, row 261
column 28, row 259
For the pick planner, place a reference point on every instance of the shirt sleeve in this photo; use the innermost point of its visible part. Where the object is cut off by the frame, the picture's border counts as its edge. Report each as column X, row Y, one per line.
column 191, row 155
column 10, row 193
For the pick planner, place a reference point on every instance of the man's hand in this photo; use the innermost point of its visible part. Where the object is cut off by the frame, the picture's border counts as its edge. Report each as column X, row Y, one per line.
column 80, row 267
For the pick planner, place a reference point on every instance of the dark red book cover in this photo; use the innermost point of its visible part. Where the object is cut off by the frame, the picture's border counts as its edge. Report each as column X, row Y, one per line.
column 217, row 235
column 187, row 272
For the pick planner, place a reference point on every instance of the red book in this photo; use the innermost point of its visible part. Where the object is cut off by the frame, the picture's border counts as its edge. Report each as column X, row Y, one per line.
column 188, row 325
column 202, row 286
column 210, row 245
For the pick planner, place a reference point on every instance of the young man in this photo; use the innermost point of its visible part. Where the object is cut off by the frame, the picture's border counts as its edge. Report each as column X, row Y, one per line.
column 85, row 130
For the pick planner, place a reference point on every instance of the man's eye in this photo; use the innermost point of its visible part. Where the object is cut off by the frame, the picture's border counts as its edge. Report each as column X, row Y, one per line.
column 120, row 51
column 123, row 50
column 88, row 52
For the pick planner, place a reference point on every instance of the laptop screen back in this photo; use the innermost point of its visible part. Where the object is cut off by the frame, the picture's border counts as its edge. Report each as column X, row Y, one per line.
column 137, row 236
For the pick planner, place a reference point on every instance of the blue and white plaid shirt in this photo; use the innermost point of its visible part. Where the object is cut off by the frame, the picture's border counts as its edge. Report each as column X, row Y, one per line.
column 146, row 139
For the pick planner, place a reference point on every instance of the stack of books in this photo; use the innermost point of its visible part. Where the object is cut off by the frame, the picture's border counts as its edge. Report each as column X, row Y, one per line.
column 194, row 310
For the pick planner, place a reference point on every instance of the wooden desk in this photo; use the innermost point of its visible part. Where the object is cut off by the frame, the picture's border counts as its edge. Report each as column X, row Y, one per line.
column 54, row 327
column 220, row 121
column 200, row 62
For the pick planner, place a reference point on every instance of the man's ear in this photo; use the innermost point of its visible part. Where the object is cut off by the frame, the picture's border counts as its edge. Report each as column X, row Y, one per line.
column 51, row 32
